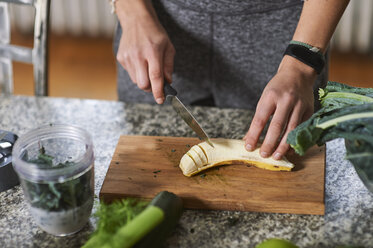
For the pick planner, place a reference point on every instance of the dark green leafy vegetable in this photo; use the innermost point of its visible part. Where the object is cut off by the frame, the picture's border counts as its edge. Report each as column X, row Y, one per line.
column 45, row 161
column 55, row 196
column 360, row 154
column 337, row 95
column 347, row 113
column 352, row 122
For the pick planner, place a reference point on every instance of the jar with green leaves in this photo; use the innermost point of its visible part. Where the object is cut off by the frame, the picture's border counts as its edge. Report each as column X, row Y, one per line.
column 55, row 165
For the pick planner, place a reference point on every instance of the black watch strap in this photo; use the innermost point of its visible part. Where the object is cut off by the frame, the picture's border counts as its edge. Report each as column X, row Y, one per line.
column 314, row 59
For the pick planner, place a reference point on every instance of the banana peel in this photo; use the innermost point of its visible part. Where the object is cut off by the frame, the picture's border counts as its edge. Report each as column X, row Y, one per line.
column 227, row 151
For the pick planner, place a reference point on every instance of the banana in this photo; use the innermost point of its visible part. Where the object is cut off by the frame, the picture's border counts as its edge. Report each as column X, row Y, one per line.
column 227, row 151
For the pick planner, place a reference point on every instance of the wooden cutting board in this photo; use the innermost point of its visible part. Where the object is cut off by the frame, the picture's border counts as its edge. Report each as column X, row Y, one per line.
column 142, row 166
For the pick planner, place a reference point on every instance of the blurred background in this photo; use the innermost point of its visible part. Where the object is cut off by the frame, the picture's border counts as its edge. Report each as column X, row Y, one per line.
column 82, row 64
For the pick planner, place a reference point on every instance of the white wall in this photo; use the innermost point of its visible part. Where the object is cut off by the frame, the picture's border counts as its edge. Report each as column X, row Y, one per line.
column 93, row 17
column 77, row 17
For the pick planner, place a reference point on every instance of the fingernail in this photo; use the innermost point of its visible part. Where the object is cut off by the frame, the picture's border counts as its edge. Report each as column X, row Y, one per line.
column 249, row 147
column 277, row 156
column 264, row 154
column 159, row 100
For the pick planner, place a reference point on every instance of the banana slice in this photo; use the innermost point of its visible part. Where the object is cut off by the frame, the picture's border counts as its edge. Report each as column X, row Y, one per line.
column 227, row 151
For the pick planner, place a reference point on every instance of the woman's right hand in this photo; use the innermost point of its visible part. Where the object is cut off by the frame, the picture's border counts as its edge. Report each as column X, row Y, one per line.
column 145, row 50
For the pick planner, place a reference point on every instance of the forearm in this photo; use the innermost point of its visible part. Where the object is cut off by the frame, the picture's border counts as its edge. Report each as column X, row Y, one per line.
column 318, row 21
column 133, row 9
column 316, row 26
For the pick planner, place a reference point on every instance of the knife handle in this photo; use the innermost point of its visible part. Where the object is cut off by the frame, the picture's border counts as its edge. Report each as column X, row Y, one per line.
column 168, row 90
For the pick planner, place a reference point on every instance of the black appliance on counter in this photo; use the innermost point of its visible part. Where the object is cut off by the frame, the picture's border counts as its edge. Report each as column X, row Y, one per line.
column 8, row 177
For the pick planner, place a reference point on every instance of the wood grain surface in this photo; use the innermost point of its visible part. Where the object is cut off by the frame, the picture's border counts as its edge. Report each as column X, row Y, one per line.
column 142, row 166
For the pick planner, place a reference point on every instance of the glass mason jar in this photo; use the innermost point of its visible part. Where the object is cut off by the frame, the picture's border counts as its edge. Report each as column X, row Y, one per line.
column 55, row 165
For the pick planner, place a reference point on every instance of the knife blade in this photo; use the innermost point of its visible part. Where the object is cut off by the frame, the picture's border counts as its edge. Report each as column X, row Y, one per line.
column 184, row 113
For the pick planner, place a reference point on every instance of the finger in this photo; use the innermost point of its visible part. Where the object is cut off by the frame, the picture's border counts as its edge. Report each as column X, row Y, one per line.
column 123, row 60
column 155, row 64
column 275, row 129
column 294, row 120
column 131, row 70
column 261, row 117
column 142, row 75
column 168, row 65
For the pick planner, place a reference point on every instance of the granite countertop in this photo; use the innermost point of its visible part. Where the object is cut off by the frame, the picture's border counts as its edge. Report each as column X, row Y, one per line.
column 349, row 205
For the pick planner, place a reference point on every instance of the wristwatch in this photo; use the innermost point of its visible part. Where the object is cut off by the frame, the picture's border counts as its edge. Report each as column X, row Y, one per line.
column 307, row 54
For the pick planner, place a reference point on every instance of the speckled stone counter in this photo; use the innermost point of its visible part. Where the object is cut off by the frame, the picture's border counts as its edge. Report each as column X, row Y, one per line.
column 349, row 205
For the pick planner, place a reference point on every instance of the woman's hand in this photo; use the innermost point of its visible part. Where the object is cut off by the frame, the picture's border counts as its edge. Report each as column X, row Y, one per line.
column 145, row 50
column 289, row 95
column 289, row 99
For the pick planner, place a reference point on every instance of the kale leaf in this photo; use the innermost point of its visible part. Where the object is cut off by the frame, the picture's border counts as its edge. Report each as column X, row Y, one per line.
column 351, row 122
column 360, row 154
column 347, row 113
column 336, row 95
column 57, row 196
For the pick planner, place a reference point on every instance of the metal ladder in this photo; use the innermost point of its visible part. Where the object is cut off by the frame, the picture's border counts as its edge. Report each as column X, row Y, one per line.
column 38, row 55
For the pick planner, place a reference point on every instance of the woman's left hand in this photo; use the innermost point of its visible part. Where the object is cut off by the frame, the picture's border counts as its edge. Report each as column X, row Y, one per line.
column 289, row 99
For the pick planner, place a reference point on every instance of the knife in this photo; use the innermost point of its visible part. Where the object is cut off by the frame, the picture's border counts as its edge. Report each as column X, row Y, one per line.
column 184, row 113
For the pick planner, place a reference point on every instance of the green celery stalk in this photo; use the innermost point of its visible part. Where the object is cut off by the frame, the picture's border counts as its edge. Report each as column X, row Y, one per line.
column 136, row 229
